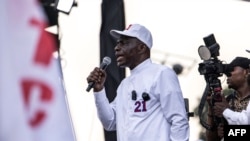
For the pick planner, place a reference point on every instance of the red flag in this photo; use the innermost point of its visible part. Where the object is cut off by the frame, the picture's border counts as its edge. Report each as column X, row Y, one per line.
column 33, row 105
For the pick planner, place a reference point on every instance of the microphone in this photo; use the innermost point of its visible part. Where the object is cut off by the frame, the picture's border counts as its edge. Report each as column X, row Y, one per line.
column 105, row 62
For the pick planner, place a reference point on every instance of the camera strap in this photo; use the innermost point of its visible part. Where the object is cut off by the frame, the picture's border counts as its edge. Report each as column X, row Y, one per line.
column 201, row 106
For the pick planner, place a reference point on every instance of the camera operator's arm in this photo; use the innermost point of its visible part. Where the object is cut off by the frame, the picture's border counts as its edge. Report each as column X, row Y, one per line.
column 220, row 130
column 218, row 109
column 211, row 135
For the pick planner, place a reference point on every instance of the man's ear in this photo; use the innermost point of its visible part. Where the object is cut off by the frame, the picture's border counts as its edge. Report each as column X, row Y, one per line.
column 142, row 48
column 247, row 71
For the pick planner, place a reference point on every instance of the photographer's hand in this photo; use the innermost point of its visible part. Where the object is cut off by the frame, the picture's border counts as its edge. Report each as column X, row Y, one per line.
column 219, row 107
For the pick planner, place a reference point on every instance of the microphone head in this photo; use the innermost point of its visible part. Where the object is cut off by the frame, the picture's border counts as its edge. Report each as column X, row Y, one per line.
column 106, row 60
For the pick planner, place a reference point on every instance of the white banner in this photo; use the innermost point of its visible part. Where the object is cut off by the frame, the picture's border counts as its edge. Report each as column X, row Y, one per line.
column 33, row 104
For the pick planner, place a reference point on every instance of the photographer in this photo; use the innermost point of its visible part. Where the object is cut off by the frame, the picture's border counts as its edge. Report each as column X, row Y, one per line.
column 238, row 79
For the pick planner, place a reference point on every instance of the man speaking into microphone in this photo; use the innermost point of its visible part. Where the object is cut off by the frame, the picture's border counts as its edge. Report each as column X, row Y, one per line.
column 149, row 105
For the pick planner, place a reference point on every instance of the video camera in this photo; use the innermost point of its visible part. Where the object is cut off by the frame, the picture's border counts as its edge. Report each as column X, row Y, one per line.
column 212, row 68
column 209, row 53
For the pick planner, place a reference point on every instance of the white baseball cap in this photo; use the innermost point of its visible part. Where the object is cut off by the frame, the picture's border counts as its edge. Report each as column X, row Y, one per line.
column 135, row 30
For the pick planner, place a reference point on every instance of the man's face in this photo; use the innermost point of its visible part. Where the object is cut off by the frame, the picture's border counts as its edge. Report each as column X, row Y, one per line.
column 126, row 51
column 237, row 78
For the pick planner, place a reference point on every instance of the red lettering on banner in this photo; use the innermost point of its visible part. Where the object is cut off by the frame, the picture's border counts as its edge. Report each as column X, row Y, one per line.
column 42, row 56
column 46, row 95
column 46, row 45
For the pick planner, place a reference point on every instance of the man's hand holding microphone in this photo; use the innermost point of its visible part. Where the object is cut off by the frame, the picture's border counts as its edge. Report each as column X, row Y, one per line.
column 98, row 76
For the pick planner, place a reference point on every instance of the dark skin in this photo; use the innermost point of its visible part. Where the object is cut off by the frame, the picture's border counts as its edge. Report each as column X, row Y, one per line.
column 237, row 81
column 129, row 52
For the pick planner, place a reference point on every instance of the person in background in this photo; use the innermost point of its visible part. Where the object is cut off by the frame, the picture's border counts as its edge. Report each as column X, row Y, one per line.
column 149, row 105
column 233, row 108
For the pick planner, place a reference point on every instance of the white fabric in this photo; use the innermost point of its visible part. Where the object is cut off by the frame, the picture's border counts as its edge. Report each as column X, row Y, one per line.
column 162, row 118
column 32, row 100
column 238, row 118
column 135, row 30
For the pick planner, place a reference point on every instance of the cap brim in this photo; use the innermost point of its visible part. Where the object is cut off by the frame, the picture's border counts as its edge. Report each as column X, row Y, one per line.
column 117, row 34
